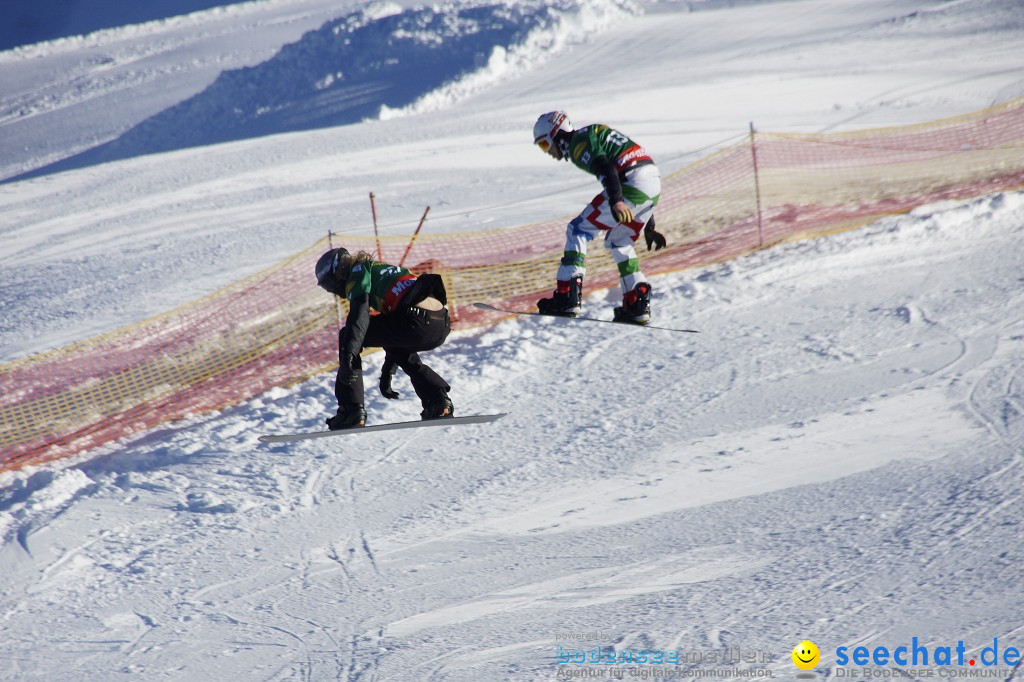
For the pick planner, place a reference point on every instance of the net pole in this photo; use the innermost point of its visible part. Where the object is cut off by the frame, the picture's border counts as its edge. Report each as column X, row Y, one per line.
column 337, row 301
column 414, row 236
column 376, row 233
column 757, row 186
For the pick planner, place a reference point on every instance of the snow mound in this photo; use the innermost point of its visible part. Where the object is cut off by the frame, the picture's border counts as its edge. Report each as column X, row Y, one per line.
column 558, row 30
column 380, row 61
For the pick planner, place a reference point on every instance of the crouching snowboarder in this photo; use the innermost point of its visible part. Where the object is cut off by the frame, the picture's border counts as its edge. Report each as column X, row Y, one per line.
column 412, row 319
column 632, row 186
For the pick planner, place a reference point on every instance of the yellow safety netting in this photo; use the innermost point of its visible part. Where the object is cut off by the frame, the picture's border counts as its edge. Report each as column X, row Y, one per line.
column 277, row 328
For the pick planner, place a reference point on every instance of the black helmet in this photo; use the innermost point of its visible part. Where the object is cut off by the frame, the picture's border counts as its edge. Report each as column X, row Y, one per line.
column 332, row 270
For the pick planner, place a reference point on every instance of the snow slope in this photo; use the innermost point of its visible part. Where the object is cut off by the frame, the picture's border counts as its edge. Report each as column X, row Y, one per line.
column 836, row 457
column 28, row 21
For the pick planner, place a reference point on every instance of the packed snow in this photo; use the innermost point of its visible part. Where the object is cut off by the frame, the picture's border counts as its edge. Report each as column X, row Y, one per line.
column 835, row 457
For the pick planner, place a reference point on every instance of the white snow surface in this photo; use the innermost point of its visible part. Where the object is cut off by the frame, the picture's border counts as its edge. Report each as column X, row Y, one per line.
column 836, row 457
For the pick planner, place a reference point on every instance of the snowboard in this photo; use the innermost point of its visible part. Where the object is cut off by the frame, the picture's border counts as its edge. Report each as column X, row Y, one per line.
column 486, row 306
column 376, row 428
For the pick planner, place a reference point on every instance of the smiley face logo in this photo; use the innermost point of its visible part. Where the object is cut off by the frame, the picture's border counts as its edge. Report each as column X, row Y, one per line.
column 806, row 655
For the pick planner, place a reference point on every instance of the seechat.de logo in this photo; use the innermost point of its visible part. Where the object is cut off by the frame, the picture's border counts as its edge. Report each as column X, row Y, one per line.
column 919, row 654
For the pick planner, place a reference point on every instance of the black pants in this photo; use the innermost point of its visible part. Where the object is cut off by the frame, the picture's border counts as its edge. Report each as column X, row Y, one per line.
column 402, row 335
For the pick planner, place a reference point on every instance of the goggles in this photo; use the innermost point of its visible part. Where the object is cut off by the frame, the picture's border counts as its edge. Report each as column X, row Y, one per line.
column 543, row 143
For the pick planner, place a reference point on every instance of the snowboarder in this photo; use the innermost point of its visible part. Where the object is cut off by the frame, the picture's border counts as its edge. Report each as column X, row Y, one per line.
column 632, row 185
column 413, row 319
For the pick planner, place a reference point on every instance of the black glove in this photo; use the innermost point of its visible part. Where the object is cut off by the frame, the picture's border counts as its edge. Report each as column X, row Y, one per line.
column 350, row 362
column 653, row 237
column 387, row 372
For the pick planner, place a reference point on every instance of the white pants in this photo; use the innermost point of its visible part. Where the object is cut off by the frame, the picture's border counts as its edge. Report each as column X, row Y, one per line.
column 640, row 190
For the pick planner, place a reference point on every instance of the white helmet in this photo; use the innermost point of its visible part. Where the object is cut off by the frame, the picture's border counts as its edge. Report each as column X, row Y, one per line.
column 547, row 127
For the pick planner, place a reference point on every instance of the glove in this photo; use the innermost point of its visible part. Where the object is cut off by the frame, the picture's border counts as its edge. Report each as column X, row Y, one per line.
column 387, row 372
column 350, row 362
column 653, row 237
column 622, row 212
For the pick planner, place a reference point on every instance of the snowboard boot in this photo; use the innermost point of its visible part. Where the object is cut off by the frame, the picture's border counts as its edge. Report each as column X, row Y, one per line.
column 348, row 417
column 566, row 301
column 636, row 305
column 440, row 408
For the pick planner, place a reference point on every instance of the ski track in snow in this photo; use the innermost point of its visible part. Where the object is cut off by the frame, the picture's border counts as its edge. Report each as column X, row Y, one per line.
column 837, row 456
column 439, row 555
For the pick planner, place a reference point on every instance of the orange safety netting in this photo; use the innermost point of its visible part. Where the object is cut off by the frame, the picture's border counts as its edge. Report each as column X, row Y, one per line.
column 277, row 328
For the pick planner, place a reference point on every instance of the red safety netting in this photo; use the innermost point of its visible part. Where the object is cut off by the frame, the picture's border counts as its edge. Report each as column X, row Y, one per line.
column 276, row 328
